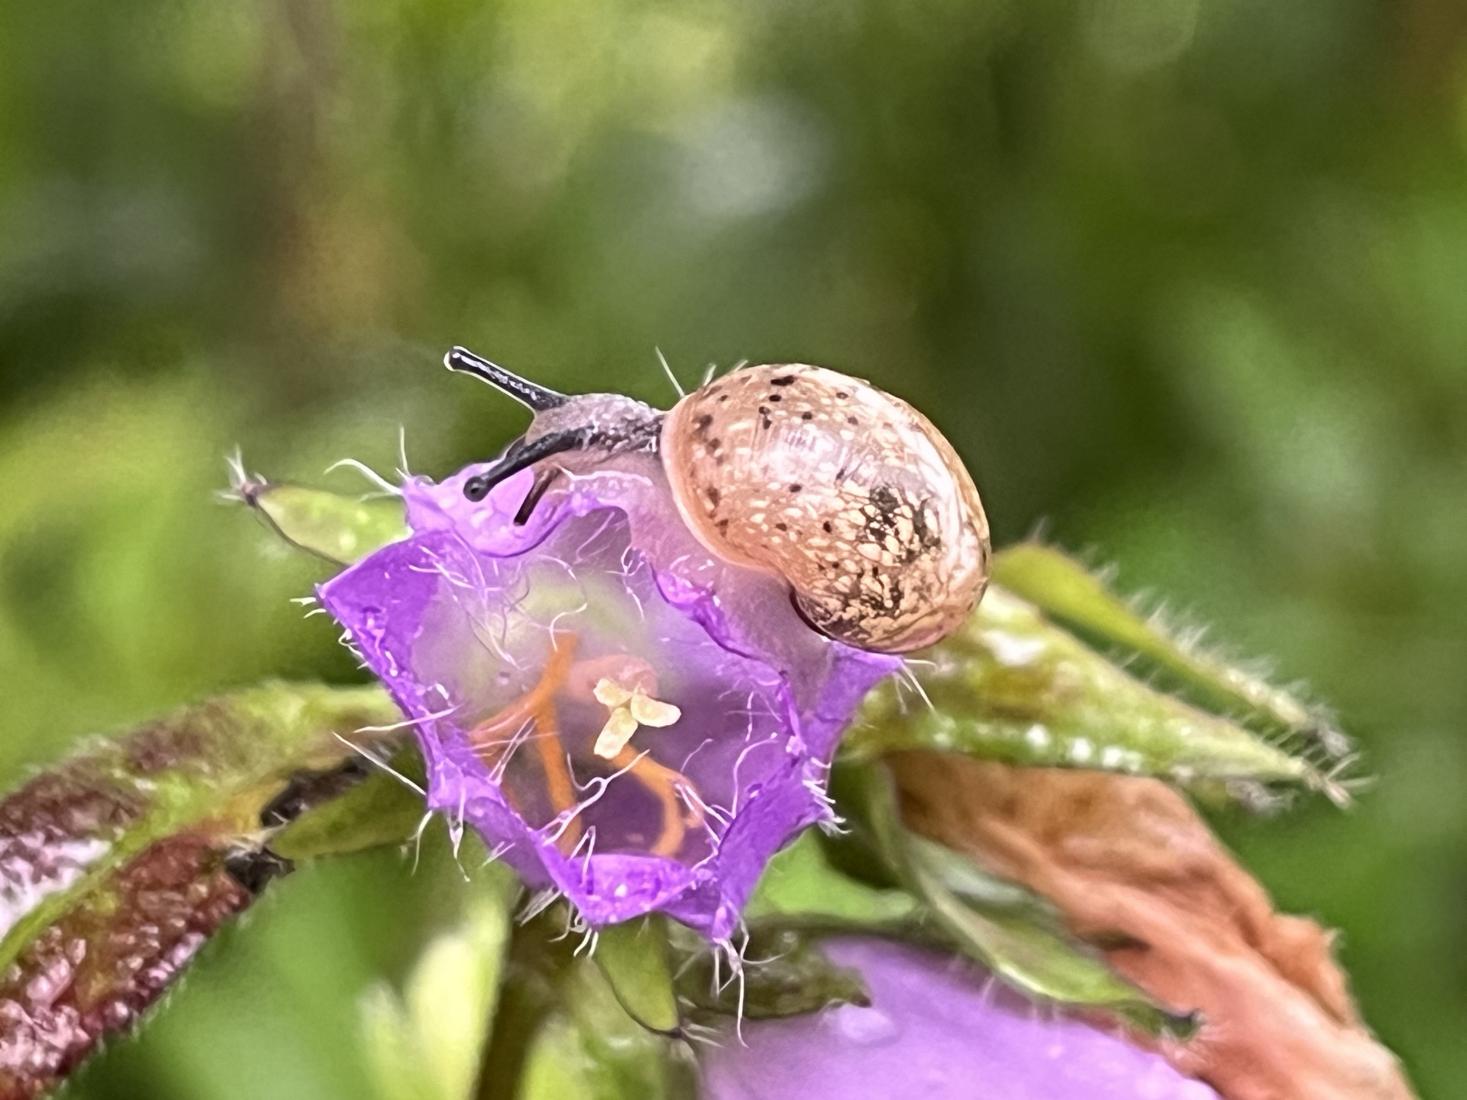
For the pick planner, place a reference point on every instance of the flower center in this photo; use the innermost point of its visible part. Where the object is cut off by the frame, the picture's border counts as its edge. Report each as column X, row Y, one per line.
column 630, row 707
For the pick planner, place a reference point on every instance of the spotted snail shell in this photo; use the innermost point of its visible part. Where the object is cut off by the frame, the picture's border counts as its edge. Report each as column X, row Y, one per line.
column 850, row 494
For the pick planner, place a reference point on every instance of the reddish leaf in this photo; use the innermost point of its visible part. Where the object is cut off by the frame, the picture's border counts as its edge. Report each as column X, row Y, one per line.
column 117, row 865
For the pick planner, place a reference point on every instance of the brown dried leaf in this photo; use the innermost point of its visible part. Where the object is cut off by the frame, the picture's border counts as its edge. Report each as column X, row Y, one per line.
column 1135, row 871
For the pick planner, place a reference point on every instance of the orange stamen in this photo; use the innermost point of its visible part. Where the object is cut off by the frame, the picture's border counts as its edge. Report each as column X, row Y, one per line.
column 663, row 783
column 538, row 705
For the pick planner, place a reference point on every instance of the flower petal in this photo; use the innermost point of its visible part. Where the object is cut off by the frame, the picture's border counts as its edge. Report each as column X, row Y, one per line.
column 494, row 637
column 939, row 1031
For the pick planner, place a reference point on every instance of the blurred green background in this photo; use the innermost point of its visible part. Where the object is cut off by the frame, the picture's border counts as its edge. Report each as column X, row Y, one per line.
column 1186, row 279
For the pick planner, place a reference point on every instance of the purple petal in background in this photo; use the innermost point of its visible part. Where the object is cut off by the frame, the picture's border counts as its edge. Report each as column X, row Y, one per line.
column 937, row 1028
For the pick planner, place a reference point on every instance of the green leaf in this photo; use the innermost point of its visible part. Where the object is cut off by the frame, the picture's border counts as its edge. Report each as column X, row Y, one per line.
column 801, row 881
column 121, row 860
column 634, row 959
column 1013, row 935
column 426, row 1042
column 571, row 1059
column 381, row 809
column 590, row 1047
column 979, row 889
column 341, row 529
column 1012, row 686
column 1067, row 591
column 784, row 974
column 564, row 1029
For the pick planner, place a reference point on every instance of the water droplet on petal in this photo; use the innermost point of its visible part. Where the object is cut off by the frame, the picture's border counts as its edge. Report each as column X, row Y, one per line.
column 867, row 1027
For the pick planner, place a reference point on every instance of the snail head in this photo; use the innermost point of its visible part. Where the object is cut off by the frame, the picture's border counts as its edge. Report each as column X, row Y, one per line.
column 578, row 430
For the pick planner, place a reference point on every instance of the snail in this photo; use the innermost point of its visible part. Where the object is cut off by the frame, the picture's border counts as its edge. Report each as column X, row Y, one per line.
column 849, row 494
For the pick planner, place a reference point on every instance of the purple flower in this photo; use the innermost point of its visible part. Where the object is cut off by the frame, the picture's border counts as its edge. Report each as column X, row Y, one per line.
column 937, row 1029
column 623, row 717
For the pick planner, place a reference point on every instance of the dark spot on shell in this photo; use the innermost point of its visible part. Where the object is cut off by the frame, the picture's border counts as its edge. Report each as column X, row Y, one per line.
column 883, row 507
column 781, row 526
column 723, row 526
column 795, row 487
column 782, row 380
column 842, row 394
column 885, row 498
column 712, row 494
column 807, row 416
column 927, row 536
column 775, row 397
column 826, row 527
column 852, row 420
column 722, row 398
column 702, row 423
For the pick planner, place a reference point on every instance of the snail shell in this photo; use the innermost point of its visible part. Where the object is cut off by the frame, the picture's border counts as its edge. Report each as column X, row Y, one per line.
column 850, row 494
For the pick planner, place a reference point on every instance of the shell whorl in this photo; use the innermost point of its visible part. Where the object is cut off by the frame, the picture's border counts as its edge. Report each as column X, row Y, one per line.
column 849, row 493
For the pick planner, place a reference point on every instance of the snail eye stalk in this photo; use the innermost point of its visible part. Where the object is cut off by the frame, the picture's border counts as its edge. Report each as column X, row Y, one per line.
column 534, row 397
column 522, row 455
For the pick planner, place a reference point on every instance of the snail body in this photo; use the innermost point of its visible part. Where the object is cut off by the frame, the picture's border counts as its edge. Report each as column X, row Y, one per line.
column 849, row 494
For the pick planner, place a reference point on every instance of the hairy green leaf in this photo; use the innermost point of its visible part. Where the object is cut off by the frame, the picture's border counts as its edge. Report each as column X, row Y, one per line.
column 122, row 860
column 341, row 529
column 1012, row 686
column 1067, row 591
